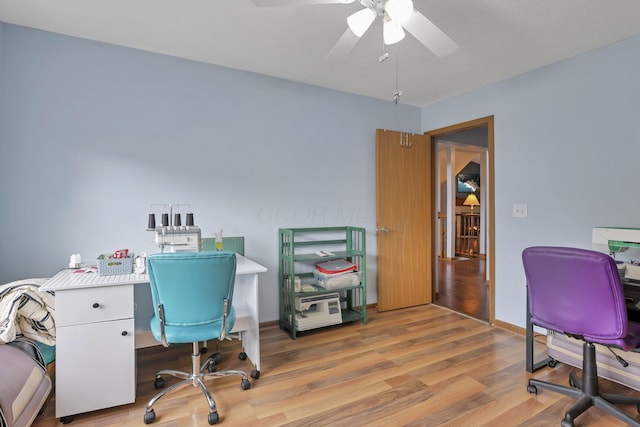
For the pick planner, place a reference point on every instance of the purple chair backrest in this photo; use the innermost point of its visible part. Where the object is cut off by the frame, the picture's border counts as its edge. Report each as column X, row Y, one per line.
column 575, row 291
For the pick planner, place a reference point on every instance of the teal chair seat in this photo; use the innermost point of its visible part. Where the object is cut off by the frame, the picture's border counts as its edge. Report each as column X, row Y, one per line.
column 188, row 333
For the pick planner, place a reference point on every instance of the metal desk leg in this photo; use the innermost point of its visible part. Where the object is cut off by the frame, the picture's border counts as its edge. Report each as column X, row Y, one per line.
column 532, row 366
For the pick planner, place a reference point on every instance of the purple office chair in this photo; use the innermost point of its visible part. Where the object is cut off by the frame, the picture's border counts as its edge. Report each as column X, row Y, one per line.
column 578, row 292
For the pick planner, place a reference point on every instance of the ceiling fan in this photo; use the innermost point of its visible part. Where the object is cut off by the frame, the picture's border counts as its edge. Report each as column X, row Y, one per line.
column 396, row 15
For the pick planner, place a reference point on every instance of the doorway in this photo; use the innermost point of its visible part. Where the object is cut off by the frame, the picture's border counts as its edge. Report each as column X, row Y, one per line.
column 463, row 218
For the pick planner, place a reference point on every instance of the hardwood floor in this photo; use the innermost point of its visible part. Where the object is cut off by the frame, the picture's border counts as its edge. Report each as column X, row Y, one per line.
column 422, row 366
column 462, row 287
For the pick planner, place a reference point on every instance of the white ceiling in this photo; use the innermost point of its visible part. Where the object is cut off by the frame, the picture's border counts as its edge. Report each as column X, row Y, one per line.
column 498, row 39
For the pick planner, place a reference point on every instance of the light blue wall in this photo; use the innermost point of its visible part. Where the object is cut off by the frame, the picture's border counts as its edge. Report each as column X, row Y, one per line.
column 1, row 32
column 567, row 143
column 93, row 134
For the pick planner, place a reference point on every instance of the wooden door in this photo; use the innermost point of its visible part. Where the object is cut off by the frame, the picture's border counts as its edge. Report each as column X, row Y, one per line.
column 404, row 219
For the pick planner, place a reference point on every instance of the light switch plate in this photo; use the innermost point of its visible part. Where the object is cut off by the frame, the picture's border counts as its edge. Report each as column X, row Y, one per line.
column 520, row 210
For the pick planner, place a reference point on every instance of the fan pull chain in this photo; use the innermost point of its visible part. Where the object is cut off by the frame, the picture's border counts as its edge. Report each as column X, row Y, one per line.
column 398, row 93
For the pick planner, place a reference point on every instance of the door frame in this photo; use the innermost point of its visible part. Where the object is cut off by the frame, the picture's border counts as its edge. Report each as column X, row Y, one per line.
column 471, row 124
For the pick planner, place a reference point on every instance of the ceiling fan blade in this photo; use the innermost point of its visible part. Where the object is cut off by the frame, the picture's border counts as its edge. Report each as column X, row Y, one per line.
column 343, row 46
column 268, row 3
column 429, row 34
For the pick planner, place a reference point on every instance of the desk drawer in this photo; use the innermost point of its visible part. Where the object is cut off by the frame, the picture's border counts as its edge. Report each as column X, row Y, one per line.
column 79, row 306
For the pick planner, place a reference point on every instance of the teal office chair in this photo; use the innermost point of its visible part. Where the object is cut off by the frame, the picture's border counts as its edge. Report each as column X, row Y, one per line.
column 192, row 296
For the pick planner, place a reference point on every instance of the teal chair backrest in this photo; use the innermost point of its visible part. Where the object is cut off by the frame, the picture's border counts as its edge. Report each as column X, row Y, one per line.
column 233, row 244
column 191, row 286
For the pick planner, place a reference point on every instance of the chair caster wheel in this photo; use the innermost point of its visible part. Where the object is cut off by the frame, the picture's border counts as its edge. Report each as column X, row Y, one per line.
column 552, row 363
column 213, row 418
column 255, row 374
column 245, row 384
column 67, row 419
column 213, row 361
column 532, row 389
column 566, row 423
column 149, row 416
column 242, row 356
column 158, row 383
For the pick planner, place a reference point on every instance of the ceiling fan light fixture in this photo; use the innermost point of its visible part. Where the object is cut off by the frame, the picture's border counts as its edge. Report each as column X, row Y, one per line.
column 399, row 10
column 360, row 21
column 392, row 32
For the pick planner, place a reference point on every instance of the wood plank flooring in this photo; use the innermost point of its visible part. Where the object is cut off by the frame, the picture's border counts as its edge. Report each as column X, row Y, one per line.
column 462, row 287
column 422, row 366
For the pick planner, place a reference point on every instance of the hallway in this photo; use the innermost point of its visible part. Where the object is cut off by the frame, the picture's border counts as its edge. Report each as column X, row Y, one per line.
column 462, row 288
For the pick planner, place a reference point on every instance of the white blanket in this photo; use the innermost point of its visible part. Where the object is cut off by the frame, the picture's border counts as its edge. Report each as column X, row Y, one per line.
column 28, row 311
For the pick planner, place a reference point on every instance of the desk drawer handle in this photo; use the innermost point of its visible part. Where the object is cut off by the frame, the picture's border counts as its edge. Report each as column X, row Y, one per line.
column 124, row 333
column 95, row 305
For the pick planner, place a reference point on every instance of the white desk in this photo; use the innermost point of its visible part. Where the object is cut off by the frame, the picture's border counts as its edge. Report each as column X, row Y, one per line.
column 95, row 335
